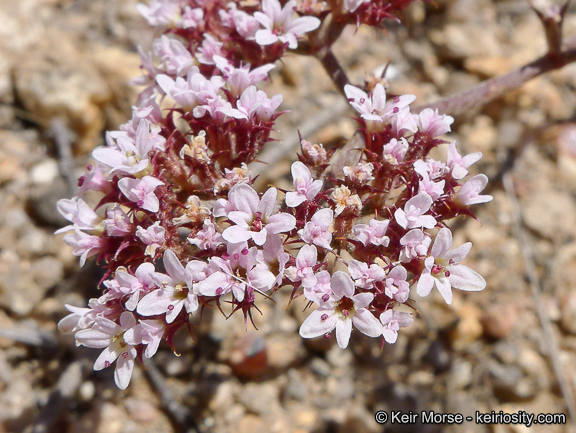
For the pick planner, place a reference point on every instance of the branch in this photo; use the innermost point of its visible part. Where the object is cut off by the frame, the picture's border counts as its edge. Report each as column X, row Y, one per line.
column 495, row 87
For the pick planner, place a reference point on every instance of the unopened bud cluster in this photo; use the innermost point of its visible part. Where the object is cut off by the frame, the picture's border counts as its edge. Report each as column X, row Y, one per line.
column 179, row 227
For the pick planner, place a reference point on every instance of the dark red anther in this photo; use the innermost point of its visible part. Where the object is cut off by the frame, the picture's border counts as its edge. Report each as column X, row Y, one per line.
column 325, row 297
column 170, row 307
column 244, row 251
column 225, row 256
column 346, row 313
column 89, row 167
column 447, row 274
column 327, row 336
column 81, row 181
column 362, row 100
column 219, row 291
column 125, row 355
column 436, row 269
column 324, row 317
column 236, row 256
column 396, row 110
column 106, row 364
column 396, row 99
column 140, row 203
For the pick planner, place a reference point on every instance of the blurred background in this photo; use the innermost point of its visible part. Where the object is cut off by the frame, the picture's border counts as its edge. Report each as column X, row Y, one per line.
column 65, row 68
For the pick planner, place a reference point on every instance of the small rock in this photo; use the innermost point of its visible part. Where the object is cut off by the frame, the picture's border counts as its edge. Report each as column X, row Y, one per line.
column 47, row 272
column 498, row 321
column 45, row 172
column 18, row 291
column 284, row 351
column 506, row 352
column 260, row 398
column 320, row 367
column 509, row 383
column 295, row 388
column 460, row 375
column 42, row 204
column 543, row 210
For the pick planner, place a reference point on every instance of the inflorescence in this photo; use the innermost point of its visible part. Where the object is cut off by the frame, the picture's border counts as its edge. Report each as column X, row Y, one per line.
column 179, row 226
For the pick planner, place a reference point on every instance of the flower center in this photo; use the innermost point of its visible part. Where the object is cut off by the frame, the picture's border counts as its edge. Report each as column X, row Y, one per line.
column 345, row 307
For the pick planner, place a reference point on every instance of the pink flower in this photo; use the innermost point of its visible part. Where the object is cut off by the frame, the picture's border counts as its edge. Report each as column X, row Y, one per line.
column 274, row 256
column 392, row 321
column 315, row 152
column 361, row 173
column 433, row 189
column 374, row 108
column 136, row 285
column 109, row 336
column 306, row 260
column 141, row 191
column 160, row 12
column 207, row 238
column 239, row 79
column 253, row 105
column 279, row 25
column 153, row 236
column 459, row 164
column 305, row 187
column 319, row 292
column 397, row 287
column 432, row 124
column 176, row 59
column 84, row 245
column 93, row 180
column 175, row 290
column 79, row 213
column 317, row 230
column 210, row 49
column 469, row 194
column 433, row 168
column 413, row 213
column 226, row 270
column 415, row 244
column 245, row 24
column 82, row 318
column 342, row 310
column 372, row 233
column 191, row 18
column 442, row 269
column 148, row 332
column 254, row 218
column 395, row 151
column 131, row 155
column 364, row 276
column 118, row 222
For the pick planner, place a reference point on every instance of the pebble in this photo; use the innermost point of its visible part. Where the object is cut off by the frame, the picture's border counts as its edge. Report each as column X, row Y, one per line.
column 296, row 388
column 498, row 320
column 260, row 398
column 45, row 172
column 460, row 374
column 543, row 210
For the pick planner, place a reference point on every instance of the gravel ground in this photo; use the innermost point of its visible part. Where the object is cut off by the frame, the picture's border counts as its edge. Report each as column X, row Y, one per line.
column 64, row 72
